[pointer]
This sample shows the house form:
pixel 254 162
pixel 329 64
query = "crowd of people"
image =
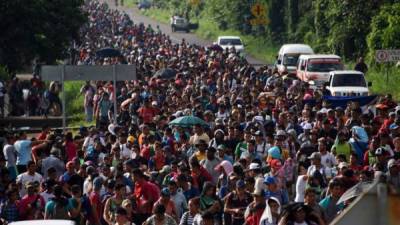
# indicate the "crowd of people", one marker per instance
pixel 263 156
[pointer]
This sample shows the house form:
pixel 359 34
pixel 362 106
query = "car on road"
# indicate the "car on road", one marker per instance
pixel 315 68
pixel 144 4
pixel 227 42
pixel 288 56
pixel 347 83
pixel 179 24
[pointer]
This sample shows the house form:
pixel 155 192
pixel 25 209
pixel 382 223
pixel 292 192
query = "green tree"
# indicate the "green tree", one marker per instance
pixel 349 23
pixel 385 29
pixel 40 28
pixel 277 20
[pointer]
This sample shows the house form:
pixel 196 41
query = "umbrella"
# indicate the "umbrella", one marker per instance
pixel 215 47
pixel 166 73
pixel 108 52
pixel 354 191
pixel 188 121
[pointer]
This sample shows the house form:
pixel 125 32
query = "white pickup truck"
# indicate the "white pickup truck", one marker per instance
pixel 347 83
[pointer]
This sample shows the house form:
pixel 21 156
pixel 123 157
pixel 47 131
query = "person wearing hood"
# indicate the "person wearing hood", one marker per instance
pixel 209 202
pixel 218 139
pixel 225 168
pixel 271 213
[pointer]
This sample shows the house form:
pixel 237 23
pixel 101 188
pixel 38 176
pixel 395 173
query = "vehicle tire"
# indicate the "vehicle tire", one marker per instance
pixel 187 30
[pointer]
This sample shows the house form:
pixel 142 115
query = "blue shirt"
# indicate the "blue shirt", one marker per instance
pixel 280 195
pixel 24 151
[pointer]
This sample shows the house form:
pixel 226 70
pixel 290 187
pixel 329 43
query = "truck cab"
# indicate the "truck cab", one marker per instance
pixel 179 24
pixel 347 83
pixel 315 68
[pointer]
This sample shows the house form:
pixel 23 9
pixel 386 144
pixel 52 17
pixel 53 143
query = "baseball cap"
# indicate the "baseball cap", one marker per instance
pixel 276 164
pixel 98 182
pixel 307 126
pixel 219 131
pixel 269 180
pixel 258 192
pixel 315 155
pixel 165 192
pixel 240 184
pixel 221 147
pixel 254 166
pixel 393 126
pixel 131 138
pixel 166 169
pixel 391 163
pixel 280 133
pixel 343 165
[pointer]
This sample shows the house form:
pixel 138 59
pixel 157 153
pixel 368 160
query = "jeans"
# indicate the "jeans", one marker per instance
pixel 89 113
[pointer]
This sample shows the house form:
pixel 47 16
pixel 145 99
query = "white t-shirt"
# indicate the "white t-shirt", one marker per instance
pixel 125 151
pixel 46 196
pixel 300 188
pixel 25 178
pixel 328 160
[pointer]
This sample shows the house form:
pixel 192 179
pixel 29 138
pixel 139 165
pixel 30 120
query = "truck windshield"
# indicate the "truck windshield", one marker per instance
pixel 230 42
pixel 321 65
pixel 347 80
pixel 290 60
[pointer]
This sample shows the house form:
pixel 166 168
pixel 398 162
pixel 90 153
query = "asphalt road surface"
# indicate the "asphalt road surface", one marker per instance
pixel 165 28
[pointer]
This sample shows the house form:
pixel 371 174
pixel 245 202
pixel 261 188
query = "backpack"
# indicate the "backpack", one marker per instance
pixel 60 212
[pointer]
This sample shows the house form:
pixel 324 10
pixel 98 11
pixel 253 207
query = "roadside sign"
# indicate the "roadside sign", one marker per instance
pixel 259 11
pixel 194 2
pixel 85 72
pixel 382 56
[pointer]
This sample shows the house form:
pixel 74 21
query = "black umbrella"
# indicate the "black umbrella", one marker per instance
pixel 166 73
pixel 108 52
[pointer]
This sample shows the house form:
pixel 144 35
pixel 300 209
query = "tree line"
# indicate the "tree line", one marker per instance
pixel 349 28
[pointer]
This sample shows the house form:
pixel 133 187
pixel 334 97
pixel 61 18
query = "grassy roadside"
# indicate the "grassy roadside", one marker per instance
pixel 74 104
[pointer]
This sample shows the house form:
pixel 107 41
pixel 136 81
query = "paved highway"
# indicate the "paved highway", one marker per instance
pixel 165 28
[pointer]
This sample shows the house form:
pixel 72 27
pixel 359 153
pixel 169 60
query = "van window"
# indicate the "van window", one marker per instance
pixel 343 80
pixel 324 65
pixel 290 59
pixel 230 41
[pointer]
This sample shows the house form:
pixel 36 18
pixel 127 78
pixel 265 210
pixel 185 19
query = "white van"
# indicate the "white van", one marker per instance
pixel 288 56
pixel 315 68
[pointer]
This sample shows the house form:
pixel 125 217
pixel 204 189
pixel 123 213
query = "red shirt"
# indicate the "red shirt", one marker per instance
pixel 147 114
pixel 145 152
pixel 95 200
pixel 146 191
pixel 23 205
pixel 254 218
pixel 42 136
pixel 202 176
pixel 70 149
